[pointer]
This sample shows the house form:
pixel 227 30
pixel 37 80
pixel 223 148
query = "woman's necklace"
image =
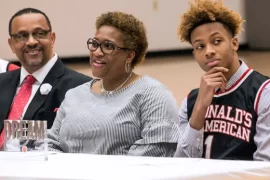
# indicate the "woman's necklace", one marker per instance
pixel 104 91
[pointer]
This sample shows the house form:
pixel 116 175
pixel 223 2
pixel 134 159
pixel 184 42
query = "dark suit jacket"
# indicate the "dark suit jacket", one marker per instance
pixel 41 107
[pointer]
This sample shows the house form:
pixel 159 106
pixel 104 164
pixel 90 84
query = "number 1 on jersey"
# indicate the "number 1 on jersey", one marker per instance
pixel 208 143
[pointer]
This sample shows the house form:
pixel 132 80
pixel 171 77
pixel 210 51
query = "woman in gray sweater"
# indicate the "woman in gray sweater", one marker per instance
pixel 121 112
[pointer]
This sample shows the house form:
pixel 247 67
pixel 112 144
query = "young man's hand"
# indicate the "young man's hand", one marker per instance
pixel 213 79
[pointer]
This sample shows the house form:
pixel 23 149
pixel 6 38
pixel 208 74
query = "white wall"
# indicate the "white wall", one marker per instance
pixel 73 21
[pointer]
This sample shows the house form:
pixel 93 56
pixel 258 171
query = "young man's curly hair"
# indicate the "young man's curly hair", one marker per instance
pixel 133 30
pixel 206 11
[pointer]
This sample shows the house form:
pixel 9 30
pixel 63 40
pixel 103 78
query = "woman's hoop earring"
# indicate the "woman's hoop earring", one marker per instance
pixel 127 66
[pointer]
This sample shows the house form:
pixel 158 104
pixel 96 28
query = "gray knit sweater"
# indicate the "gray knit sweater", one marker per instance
pixel 140 119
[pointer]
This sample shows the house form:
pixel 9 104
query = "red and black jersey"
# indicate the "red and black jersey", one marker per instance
pixel 230 121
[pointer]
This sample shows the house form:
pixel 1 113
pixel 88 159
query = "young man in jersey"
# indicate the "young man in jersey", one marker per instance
pixel 228 117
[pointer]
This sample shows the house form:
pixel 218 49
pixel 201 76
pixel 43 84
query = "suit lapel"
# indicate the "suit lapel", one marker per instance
pixel 52 78
pixel 7 93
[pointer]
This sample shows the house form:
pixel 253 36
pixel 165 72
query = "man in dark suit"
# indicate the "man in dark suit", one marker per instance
pixel 32 40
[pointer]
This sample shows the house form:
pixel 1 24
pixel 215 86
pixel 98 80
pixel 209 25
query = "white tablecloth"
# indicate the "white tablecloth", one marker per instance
pixel 30 166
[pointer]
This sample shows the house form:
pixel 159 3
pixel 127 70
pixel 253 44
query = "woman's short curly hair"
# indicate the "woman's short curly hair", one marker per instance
pixel 133 30
pixel 206 11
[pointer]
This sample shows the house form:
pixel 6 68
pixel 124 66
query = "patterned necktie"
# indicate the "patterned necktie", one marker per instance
pixel 20 100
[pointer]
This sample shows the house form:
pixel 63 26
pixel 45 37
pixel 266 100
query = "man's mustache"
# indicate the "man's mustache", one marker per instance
pixel 33 48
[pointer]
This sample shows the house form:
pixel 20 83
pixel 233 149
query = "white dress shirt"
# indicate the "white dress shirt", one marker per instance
pixel 3 65
pixel 39 75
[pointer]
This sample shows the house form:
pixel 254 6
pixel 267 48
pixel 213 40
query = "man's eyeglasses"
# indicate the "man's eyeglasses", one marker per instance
pixel 37 35
pixel 107 47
